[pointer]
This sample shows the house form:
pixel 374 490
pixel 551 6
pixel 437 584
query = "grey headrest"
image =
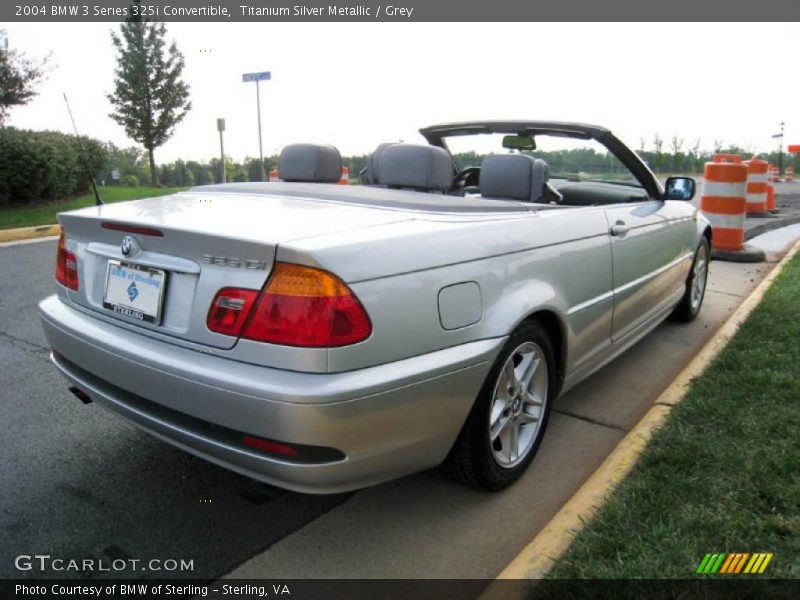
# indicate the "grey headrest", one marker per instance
pixel 418 167
pixel 370 176
pixel 310 162
pixel 513 176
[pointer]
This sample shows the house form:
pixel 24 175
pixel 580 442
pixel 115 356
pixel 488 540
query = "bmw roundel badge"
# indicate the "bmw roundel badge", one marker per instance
pixel 127 245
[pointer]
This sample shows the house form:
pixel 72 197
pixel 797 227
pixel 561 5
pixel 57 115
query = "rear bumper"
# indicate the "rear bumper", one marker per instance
pixel 388 420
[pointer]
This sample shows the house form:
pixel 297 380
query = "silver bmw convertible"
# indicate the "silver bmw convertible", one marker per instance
pixel 323 338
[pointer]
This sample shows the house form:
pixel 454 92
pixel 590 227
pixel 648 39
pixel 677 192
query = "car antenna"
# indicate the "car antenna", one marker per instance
pixel 98 199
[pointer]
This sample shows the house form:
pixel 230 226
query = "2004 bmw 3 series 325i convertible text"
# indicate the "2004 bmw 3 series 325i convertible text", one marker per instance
pixel 323 338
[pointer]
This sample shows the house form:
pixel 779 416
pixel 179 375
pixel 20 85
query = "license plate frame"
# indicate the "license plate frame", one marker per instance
pixel 123 295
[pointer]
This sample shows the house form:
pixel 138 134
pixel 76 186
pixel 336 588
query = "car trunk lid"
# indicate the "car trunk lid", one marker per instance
pixel 157 264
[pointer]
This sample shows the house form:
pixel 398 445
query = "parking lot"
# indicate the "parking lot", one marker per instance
pixel 79 482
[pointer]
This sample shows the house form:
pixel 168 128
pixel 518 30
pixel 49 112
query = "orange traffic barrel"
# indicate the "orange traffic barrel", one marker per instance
pixel 774 174
pixel 770 197
pixel 724 200
pixel 756 185
pixel 788 175
pixel 274 175
pixel 345 180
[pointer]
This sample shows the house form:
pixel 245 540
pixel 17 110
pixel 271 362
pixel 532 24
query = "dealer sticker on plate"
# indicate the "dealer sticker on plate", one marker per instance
pixel 135 291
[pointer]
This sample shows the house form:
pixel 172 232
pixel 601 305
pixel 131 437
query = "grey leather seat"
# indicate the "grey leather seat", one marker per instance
pixel 369 174
pixel 516 177
pixel 315 163
pixel 426 168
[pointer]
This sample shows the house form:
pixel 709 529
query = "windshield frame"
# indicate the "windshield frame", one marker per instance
pixel 436 134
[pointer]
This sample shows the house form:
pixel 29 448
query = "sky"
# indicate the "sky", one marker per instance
pixel 355 85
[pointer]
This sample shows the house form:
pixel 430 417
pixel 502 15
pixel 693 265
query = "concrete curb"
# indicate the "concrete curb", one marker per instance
pixel 541 554
pixel 770 225
pixel 27 233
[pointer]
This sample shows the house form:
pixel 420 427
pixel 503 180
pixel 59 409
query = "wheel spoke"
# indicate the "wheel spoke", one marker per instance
pixel 505 443
pixel 525 418
pixel 509 374
pixel 499 427
pixel 513 450
pixel 531 399
pixel 698 276
pixel 500 404
pixel 531 365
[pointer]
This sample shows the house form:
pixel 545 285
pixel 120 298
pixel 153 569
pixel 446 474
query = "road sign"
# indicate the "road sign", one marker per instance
pixel 794 148
pixel 263 76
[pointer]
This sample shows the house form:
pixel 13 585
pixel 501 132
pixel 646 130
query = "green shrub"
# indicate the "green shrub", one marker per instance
pixel 206 178
pixel 45 165
pixel 130 181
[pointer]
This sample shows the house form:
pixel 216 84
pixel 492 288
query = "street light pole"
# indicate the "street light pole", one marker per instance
pixel 780 153
pixel 257 77
pixel 221 128
pixel 260 150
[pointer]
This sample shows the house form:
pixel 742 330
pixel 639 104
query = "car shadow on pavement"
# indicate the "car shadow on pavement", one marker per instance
pixel 114 492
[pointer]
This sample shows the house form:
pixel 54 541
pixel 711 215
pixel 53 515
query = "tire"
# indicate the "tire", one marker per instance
pixel 691 303
pixel 505 405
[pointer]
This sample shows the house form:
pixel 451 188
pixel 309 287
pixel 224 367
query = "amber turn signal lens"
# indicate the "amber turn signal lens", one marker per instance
pixel 308 307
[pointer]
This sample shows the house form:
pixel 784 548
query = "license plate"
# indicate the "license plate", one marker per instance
pixel 135 291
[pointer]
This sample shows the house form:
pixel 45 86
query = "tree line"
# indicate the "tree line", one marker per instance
pixel 133 167
pixel 661 160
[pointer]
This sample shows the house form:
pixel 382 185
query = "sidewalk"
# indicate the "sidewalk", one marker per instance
pixel 787 202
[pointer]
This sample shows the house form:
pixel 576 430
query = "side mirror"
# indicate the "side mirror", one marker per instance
pixel 680 188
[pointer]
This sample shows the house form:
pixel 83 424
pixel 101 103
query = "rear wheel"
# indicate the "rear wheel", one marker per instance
pixel 689 306
pixel 507 422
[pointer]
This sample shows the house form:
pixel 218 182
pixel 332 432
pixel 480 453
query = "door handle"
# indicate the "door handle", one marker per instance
pixel 619 228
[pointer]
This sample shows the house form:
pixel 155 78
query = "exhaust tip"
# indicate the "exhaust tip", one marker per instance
pixel 80 395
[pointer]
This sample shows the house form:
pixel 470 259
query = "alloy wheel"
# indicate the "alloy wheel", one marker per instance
pixel 518 405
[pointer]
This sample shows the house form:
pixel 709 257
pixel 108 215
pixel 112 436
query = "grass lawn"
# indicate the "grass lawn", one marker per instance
pixel 45 214
pixel 723 474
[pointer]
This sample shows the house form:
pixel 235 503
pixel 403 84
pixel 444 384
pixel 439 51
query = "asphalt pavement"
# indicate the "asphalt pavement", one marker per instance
pixel 78 482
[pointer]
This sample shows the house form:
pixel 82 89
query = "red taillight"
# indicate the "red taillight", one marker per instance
pixel 300 306
pixel 269 446
pixel 304 306
pixel 229 310
pixel 66 265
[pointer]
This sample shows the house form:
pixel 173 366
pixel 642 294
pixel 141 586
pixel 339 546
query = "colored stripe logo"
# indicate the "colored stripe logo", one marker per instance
pixel 734 563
